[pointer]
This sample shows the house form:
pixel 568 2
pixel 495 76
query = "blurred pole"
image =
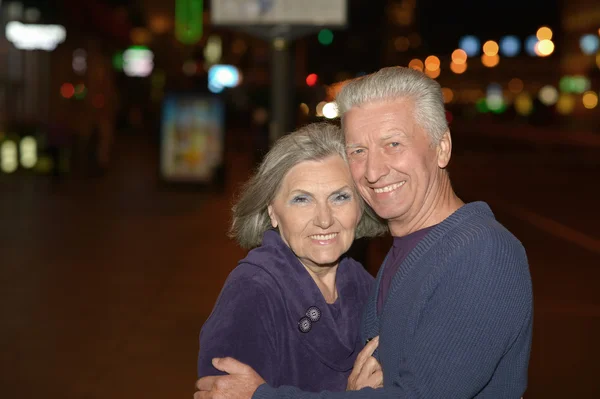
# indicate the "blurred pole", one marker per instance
pixel 281 89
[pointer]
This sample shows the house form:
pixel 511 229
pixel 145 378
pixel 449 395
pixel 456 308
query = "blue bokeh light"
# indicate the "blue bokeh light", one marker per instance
pixel 589 43
pixel 510 46
pixel 530 43
pixel 470 44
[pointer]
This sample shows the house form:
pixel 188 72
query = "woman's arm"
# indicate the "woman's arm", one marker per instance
pixel 242 326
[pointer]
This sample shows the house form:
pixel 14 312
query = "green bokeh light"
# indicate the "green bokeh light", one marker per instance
pixel 325 37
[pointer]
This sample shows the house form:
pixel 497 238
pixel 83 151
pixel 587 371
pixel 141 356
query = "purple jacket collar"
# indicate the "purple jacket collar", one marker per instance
pixel 333 339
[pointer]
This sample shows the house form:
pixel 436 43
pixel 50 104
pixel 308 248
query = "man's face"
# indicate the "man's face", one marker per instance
pixel 392 160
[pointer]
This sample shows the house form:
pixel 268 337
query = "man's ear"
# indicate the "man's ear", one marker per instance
pixel 444 150
pixel 272 216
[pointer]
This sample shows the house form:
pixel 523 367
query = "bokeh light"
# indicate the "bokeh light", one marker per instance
pixel 433 74
pixel 589 43
pixel 548 95
pixel 544 33
pixel 325 37
pixel 401 43
pixel 67 90
pixel 330 110
pixel 458 68
pixel 490 61
pixel 565 104
pixel 304 108
pixel 523 104
pixel 544 48
pixel 530 43
pixel 320 107
pixel 490 48
pixel 515 85
pixel 28 152
pixel 470 44
pixel 311 79
pixel 448 95
pixel 590 99
pixel 432 63
pixel 8 156
pixel 510 46
pixel 416 64
pixel 459 56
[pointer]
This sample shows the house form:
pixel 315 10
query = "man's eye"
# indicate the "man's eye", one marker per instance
pixel 358 151
pixel 394 144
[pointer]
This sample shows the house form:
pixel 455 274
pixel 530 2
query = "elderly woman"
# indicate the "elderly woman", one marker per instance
pixel 291 308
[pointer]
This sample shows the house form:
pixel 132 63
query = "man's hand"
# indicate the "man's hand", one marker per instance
pixel 241 382
pixel 367 371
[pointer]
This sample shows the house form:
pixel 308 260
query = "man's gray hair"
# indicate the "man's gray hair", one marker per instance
pixel 313 142
pixel 394 83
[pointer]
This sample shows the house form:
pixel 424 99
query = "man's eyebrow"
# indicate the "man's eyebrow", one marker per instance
pixel 392 133
pixel 352 145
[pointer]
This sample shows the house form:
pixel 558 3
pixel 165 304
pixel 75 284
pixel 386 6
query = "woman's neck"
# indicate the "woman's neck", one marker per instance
pixel 324 277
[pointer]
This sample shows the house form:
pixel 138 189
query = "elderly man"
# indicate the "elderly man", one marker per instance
pixel 452 304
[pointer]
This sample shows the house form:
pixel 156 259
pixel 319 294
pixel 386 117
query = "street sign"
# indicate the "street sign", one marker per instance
pixel 276 12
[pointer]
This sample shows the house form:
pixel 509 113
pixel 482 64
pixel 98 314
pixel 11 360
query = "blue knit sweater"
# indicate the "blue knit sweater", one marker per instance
pixel 457 321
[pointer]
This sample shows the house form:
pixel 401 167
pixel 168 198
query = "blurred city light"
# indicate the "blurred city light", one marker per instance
pixel 565 104
pixel 138 61
pixel 28 152
pixel 448 95
pixel 548 95
pixel 31 14
pixel 590 99
pixel 589 43
pixel 13 10
pixel 80 91
pixel 544 48
pixel 417 64
pixel 221 76
pixel 8 156
pixel 530 43
pixel 311 79
pixel 544 33
pixel 330 110
pixel 35 37
pixel 470 44
pixel 510 46
pixel 490 61
pixel 304 109
pixel 189 19
pixel 79 61
pixel 159 24
pixel 401 43
pixel 67 90
pixel 494 98
pixel 320 106
pixel 433 74
pixel 459 56
pixel 490 48
pixel 515 85
pixel 432 63
pixel 458 68
pixel 140 36
pixel 574 84
pixel 213 50
pixel 325 37
pixel 523 104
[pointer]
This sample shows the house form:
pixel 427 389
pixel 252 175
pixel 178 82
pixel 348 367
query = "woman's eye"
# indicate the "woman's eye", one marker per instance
pixel 342 197
pixel 299 200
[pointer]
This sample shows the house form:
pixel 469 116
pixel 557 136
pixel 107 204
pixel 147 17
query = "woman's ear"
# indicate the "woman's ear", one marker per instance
pixel 272 216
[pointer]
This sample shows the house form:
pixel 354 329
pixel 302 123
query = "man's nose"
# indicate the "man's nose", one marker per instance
pixel 376 168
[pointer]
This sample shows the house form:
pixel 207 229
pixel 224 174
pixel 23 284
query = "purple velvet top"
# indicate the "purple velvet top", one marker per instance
pixel 271 315
pixel 399 251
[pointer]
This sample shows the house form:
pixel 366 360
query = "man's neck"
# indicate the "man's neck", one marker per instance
pixel 441 205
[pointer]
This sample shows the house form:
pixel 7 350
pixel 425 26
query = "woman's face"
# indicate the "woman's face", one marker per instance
pixel 316 211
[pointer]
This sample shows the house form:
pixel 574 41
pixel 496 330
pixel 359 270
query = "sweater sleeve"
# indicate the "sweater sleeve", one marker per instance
pixel 474 314
pixel 241 326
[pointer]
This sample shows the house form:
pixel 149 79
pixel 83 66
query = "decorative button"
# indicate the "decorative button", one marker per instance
pixel 304 324
pixel 313 313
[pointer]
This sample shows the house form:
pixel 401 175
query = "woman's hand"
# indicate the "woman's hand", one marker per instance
pixel 367 371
